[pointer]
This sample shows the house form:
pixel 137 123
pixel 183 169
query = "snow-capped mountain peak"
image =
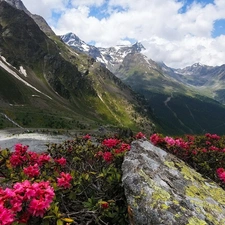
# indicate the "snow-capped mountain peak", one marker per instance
pixel 74 41
pixel 110 57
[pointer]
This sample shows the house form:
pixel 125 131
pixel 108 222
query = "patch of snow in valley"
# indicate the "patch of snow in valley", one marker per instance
pixel 6 67
pixel 23 71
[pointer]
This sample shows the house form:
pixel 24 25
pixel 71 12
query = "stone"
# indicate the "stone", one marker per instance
pixel 162 190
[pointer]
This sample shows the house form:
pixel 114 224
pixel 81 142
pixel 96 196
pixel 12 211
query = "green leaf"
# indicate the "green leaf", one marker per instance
pixel 5 153
pixel 59 222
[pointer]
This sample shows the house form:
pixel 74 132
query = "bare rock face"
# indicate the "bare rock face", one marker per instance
pixel 18 4
pixel 163 190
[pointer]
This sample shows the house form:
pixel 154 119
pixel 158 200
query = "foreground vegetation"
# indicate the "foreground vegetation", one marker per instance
pixel 79 181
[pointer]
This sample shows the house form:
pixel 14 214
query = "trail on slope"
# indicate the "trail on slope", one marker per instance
pixel 175 115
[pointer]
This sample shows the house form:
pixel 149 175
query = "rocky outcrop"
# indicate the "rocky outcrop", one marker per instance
pixel 163 190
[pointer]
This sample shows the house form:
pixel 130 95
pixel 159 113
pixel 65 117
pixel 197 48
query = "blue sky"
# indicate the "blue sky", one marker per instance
pixel 177 32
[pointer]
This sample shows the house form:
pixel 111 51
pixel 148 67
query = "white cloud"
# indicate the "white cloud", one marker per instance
pixel 45 7
pixel 76 3
pixel 177 39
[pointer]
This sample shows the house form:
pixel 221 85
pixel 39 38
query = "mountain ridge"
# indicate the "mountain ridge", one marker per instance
pixel 180 106
pixel 72 81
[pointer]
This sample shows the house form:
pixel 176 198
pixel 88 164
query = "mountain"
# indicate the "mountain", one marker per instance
pixel 209 80
pixel 44 83
pixel 173 95
pixel 109 57
pixel 18 4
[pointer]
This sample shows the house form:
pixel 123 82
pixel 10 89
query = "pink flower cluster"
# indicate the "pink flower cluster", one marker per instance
pixel 65 180
pixel 139 135
pixel 32 171
pixel 36 197
pixel 111 142
pixel 199 146
pixel 178 142
pixel 61 161
pixel 22 156
pixel 156 139
pixel 87 137
pixel 221 174
pixel 212 136
pixel 115 147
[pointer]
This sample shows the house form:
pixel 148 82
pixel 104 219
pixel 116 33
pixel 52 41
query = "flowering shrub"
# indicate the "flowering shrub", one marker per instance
pixel 79 181
pixel 76 182
pixel 205 153
pixel 23 200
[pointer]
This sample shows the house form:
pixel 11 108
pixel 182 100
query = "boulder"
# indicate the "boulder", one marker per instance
pixel 162 189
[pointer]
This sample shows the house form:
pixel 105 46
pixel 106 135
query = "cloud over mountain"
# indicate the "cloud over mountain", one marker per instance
pixel 172 31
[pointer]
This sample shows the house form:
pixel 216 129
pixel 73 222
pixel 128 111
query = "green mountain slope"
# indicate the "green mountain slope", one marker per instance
pixel 179 108
pixel 63 88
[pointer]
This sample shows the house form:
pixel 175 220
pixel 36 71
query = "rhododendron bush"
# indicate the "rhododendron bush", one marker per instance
pixel 79 181
pixel 204 153
pixel 76 182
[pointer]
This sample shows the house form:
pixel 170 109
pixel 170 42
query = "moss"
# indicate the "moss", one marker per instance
pixel 170 164
pixel 189 174
pixel 159 196
pixel 196 221
pixel 202 194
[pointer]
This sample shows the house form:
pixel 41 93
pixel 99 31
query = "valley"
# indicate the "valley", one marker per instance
pixel 188 100
pixel 60 82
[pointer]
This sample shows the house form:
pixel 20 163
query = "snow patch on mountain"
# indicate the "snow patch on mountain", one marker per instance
pixel 110 57
pixel 6 66
pixel 23 71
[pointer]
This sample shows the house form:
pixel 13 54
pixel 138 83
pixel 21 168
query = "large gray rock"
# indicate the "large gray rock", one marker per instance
pixel 161 189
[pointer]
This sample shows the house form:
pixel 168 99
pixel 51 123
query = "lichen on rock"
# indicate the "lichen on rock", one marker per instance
pixel 162 190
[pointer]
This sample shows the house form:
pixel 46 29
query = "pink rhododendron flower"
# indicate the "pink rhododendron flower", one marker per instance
pixel 43 158
pixel 107 156
pixel 111 142
pixel 38 207
pixel 123 148
pixel 140 135
pixel 181 143
pixel 170 141
pixel 32 171
pixel 6 216
pixel 17 159
pixel 33 157
pixel 215 137
pixel 212 136
pixel 19 148
pixel 156 139
pixel 221 174
pixel 61 161
pixel 87 137
pixel 213 148
pixel 64 180
pixel 37 197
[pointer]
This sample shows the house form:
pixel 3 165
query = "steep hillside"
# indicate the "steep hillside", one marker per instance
pixel 179 108
pixel 54 86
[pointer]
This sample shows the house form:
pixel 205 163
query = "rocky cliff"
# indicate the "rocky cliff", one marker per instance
pixel 163 190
